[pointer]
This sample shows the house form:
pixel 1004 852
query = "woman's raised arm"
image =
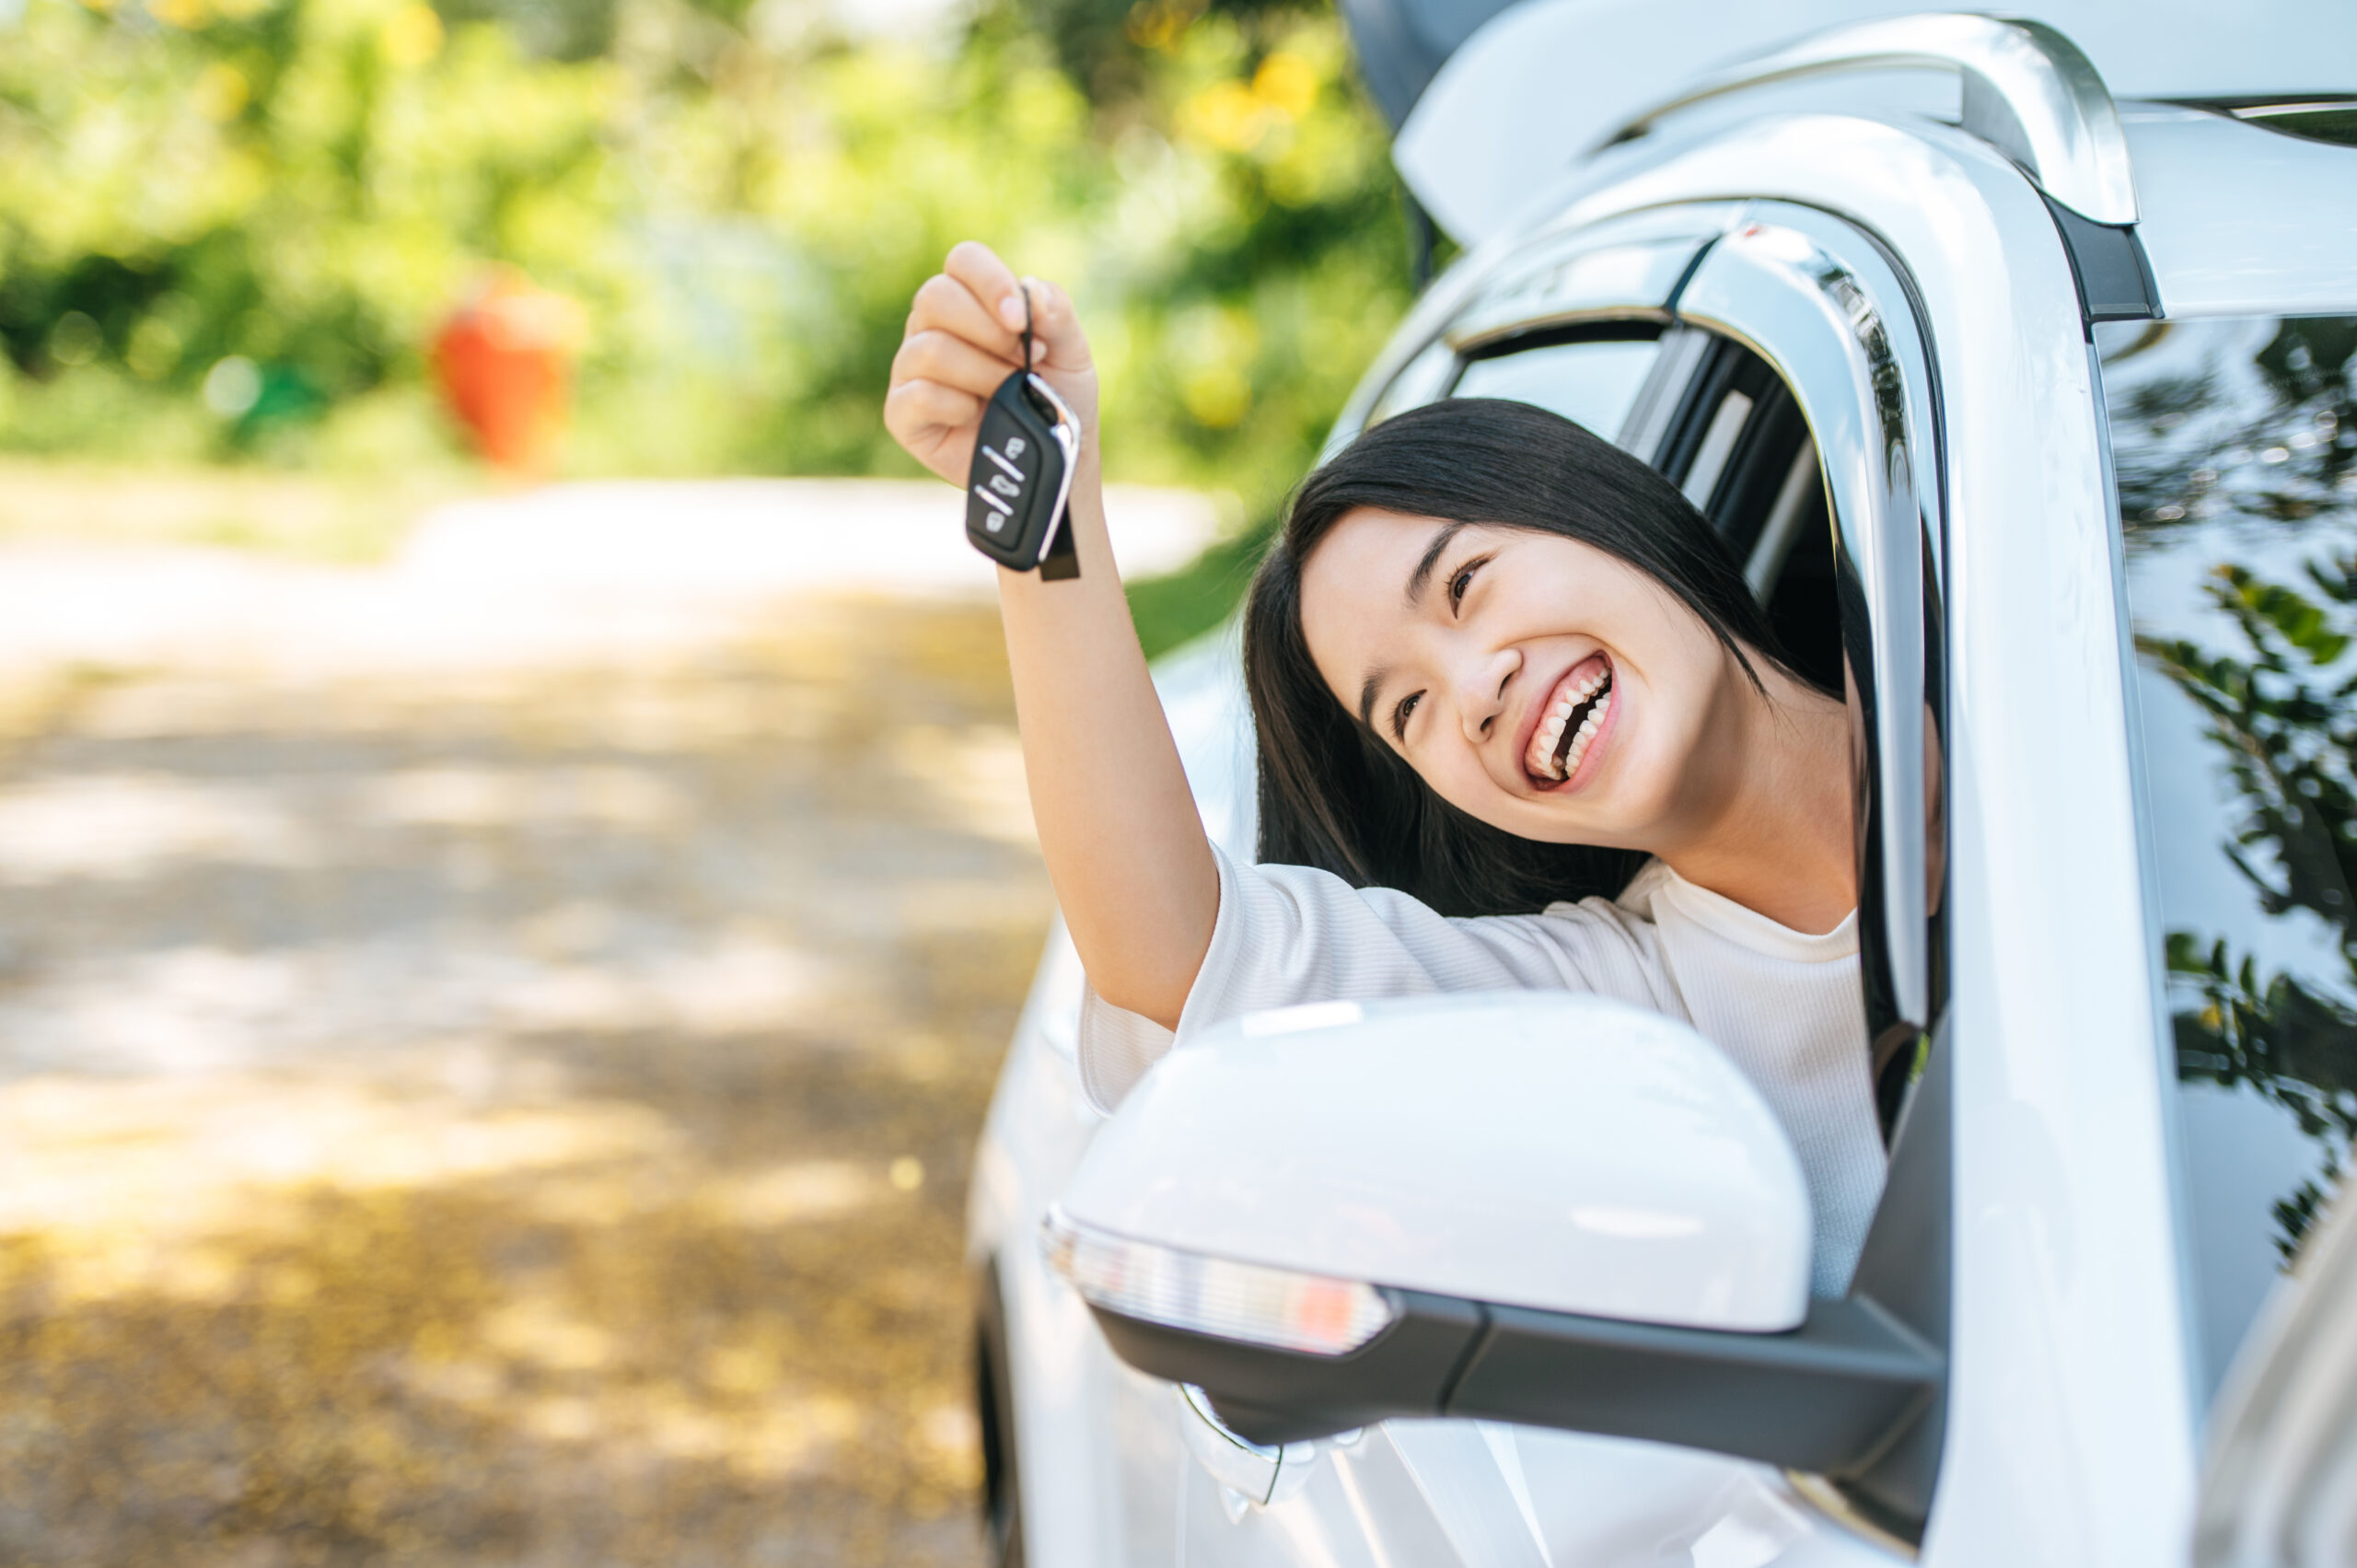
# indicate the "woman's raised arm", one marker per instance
pixel 1125 847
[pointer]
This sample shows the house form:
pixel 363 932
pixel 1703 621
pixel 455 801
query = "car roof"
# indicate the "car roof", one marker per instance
pixel 1540 84
pixel 1401 43
pixel 2238 219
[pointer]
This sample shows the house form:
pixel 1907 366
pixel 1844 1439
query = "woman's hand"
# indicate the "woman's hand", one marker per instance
pixel 965 334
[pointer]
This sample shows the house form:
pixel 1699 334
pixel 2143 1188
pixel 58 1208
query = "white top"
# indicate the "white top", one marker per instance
pixel 1785 1006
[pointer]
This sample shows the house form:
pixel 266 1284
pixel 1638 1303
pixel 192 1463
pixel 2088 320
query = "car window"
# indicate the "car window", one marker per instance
pixel 1591 381
pixel 2235 448
pixel 1739 448
pixel 1420 381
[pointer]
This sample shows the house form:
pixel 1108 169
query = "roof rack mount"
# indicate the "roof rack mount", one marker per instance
pixel 2028 91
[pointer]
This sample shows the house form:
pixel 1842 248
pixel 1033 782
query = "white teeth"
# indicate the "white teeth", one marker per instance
pixel 1549 734
pixel 1588 727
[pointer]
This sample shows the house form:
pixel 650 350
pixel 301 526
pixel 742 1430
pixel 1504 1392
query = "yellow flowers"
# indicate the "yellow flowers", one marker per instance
pixel 189 15
pixel 1238 116
pixel 1217 396
pixel 410 36
pixel 1213 348
pixel 221 91
pixel 1160 24
pixel 1286 83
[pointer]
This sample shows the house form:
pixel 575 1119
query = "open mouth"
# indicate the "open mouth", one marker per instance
pixel 1562 738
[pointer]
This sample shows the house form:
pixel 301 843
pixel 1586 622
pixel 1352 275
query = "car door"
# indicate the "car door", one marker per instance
pixel 1725 399
pixel 1574 323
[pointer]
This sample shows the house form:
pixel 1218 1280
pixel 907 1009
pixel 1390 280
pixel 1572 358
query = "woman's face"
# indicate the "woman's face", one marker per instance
pixel 1535 683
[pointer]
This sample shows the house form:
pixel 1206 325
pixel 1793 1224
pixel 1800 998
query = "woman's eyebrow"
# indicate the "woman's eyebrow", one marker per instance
pixel 1423 574
pixel 1417 582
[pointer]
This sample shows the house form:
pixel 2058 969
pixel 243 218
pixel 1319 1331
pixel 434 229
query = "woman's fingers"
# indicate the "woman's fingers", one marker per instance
pixel 945 357
pixel 963 341
pixel 915 406
pixel 944 305
pixel 991 281
pixel 936 424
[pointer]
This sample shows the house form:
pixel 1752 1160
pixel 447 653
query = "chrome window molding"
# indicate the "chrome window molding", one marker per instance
pixel 1567 285
pixel 2028 91
pixel 1903 320
pixel 1464 291
pixel 1839 329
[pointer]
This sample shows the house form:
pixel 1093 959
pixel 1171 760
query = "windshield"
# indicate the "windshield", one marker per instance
pixel 2235 446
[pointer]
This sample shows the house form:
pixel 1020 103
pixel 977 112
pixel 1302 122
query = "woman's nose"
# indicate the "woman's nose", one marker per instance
pixel 1481 692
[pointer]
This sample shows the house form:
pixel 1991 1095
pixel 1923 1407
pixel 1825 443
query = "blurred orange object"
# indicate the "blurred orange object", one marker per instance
pixel 505 362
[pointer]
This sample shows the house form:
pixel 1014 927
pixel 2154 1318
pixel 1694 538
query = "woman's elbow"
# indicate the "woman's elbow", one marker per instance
pixel 1142 969
pixel 1156 1003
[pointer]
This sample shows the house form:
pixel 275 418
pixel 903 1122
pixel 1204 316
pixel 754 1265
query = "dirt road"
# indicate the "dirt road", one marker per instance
pixel 502 1110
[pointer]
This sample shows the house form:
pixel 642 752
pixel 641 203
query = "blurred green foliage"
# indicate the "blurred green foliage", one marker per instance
pixel 229 228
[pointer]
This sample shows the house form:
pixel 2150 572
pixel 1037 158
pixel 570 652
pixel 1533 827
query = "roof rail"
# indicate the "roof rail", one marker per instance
pixel 2027 91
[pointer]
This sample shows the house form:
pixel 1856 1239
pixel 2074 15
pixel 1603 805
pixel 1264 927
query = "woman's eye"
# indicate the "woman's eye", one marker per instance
pixel 1399 714
pixel 1464 580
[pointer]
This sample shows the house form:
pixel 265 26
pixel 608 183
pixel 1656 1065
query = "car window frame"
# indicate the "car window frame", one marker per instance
pixel 1832 315
pixel 1835 315
pixel 1831 312
pixel 1467 300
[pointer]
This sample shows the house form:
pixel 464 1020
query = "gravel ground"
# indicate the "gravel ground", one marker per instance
pixel 505 1110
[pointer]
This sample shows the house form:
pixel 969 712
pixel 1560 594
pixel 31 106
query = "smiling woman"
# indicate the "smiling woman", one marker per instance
pixel 1521 725
pixel 1470 578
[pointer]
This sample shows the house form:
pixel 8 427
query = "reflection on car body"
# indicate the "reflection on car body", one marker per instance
pixel 2236 458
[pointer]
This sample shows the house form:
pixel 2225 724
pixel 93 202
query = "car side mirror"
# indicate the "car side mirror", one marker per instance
pixel 1526 1206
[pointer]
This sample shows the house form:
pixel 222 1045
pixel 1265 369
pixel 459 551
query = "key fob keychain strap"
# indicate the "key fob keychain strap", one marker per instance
pixel 1020 485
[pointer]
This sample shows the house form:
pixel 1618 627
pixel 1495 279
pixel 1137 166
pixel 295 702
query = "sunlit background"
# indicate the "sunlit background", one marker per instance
pixel 514 869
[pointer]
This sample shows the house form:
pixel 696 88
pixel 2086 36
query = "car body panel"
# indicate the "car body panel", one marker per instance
pixel 1543 83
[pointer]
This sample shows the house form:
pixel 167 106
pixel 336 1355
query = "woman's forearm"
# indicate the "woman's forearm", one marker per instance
pixel 1117 826
pixel 1127 853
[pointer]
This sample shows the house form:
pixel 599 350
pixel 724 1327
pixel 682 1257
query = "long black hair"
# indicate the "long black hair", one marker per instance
pixel 1332 794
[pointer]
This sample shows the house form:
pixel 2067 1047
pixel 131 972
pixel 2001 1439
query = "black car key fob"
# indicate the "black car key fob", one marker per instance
pixel 1021 481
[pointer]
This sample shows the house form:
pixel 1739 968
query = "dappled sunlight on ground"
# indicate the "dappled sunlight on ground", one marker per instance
pixel 509 1114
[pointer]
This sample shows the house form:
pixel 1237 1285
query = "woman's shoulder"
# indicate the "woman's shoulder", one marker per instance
pixel 1634 902
pixel 1662 898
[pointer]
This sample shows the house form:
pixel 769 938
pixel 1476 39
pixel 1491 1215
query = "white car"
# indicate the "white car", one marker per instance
pixel 2026 401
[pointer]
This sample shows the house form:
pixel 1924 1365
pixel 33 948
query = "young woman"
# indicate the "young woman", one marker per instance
pixel 1521 724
